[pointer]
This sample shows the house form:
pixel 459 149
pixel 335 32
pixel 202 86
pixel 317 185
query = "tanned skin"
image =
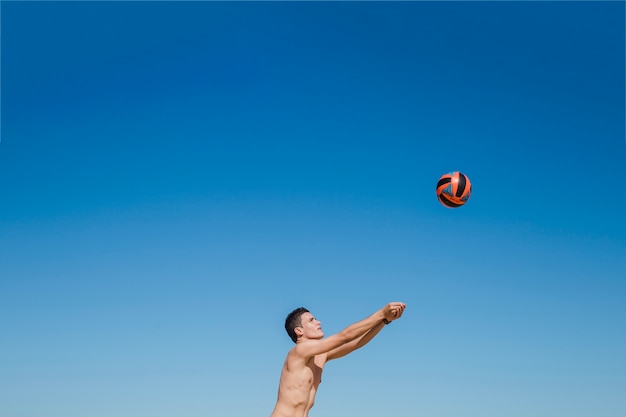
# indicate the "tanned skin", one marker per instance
pixel 302 371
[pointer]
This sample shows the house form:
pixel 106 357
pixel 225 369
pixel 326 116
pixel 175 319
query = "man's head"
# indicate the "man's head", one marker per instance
pixel 300 322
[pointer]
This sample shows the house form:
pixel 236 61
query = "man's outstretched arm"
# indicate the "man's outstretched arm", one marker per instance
pixel 349 347
pixel 359 342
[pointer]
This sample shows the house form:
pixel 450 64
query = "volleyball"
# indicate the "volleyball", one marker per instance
pixel 454 189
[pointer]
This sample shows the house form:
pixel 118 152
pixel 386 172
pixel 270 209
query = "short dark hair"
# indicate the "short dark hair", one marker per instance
pixel 293 320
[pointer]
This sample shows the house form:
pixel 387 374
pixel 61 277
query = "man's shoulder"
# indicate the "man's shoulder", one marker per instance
pixel 302 346
pixel 297 355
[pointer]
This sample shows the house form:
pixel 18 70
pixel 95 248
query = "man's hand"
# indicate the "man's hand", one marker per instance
pixel 393 311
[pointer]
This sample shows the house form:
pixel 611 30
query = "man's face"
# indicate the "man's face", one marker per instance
pixel 311 327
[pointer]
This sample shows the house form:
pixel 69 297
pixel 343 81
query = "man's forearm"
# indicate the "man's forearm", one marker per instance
pixel 360 328
pixel 369 335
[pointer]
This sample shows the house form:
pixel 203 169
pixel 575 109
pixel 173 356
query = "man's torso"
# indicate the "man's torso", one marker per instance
pixel 299 382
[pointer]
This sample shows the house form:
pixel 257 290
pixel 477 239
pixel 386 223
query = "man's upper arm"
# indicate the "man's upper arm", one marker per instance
pixel 317 347
pixel 342 350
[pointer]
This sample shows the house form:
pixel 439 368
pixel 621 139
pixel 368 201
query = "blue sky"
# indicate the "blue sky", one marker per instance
pixel 178 176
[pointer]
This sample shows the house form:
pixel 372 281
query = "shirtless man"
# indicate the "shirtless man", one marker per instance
pixel 302 370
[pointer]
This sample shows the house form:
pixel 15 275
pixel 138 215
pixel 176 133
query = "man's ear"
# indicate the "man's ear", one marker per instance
pixel 299 331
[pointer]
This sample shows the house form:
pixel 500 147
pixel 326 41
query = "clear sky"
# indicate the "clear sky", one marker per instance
pixel 177 177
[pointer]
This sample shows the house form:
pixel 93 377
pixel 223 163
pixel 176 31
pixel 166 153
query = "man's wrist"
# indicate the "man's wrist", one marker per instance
pixel 386 321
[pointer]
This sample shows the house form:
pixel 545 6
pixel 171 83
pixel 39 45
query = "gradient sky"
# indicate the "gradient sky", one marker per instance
pixel 177 177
